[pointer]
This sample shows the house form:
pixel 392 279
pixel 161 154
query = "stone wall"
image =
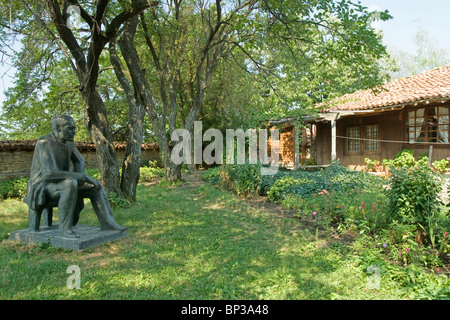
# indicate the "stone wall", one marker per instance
pixel 16 156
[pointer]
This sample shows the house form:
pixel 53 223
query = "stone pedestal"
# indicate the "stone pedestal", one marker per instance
pixel 90 236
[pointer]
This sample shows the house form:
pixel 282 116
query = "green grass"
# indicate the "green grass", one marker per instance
pixel 187 242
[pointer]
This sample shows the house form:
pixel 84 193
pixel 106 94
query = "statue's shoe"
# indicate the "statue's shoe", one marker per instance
pixel 70 234
pixel 112 226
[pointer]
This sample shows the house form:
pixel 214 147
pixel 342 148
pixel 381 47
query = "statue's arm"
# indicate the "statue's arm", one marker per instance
pixel 77 160
pixel 78 166
pixel 49 168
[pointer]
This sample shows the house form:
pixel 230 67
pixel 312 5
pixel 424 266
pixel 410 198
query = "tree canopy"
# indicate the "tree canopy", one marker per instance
pixel 228 63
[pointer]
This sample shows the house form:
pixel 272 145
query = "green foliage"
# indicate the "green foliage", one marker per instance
pixel 93 172
pixel 441 165
pixel 212 175
pixel 244 179
pixel 333 179
pixel 13 188
pixel 276 191
pixel 256 66
pixel 413 196
pixel 150 173
pixel 405 159
pixel 146 173
pixel 372 165
pixel 117 202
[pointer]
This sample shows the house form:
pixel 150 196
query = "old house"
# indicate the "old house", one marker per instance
pixel 295 142
pixel 408 113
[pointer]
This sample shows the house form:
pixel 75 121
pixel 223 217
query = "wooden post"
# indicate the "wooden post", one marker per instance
pixel 296 148
pixel 430 154
pixel 333 140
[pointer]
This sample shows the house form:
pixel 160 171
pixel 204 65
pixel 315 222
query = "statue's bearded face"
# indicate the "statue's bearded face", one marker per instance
pixel 67 131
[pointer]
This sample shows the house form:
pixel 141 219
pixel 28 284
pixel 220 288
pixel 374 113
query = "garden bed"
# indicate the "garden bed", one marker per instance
pixel 337 202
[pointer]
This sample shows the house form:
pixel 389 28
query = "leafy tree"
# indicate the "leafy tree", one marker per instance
pixel 193 59
pixel 291 48
pixel 82 47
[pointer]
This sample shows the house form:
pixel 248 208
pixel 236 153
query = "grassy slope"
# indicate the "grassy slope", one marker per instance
pixel 186 242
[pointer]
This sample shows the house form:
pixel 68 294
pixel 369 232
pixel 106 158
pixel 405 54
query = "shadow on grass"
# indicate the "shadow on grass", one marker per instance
pixel 209 245
pixel 183 243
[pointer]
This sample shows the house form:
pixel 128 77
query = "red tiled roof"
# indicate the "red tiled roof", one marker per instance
pixel 14 145
pixel 429 85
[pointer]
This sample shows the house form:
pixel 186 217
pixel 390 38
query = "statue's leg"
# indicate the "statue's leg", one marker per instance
pixel 101 206
pixel 34 219
pixel 47 216
pixel 66 192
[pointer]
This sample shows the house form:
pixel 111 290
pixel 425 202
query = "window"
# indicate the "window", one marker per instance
pixel 364 138
pixel 428 125
pixel 353 143
pixel 371 132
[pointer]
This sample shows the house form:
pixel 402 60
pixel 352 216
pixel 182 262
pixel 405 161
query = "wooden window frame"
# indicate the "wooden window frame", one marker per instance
pixel 353 140
pixel 360 141
pixel 374 138
pixel 424 134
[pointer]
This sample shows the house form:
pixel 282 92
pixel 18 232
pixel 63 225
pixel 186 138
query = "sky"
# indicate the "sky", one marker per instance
pixel 408 15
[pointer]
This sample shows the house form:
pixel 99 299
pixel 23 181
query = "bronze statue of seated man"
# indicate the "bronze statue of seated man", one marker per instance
pixel 57 179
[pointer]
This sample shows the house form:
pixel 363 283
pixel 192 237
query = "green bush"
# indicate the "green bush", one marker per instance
pixel 150 173
pixel 244 179
pixel 413 196
pixel 276 191
pixel 93 172
pixel 13 188
pixel 146 173
pixel 212 174
pixel 333 179
pixel 117 202
pixel 441 165
pixel 405 159
pixel 372 165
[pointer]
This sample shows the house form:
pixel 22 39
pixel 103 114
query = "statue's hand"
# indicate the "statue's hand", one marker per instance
pixel 97 184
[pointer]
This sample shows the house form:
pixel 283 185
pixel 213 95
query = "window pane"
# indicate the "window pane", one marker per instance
pixel 428 125
pixel 443 134
pixel 443 111
pixel 371 132
pixel 353 143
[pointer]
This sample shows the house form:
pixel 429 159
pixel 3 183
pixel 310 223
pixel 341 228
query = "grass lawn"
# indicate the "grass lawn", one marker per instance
pixel 189 241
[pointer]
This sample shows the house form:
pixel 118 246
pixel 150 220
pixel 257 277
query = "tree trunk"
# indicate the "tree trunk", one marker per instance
pixel 132 160
pixel 87 71
pixel 97 123
pixel 173 171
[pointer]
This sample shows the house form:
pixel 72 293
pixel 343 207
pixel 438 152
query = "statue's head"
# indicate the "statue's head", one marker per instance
pixel 64 127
